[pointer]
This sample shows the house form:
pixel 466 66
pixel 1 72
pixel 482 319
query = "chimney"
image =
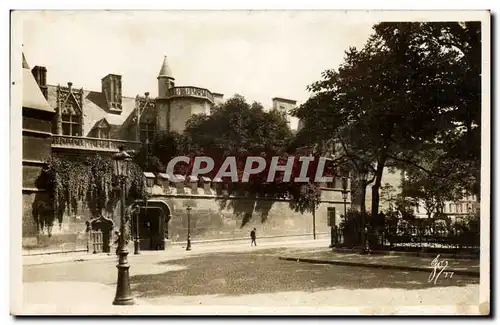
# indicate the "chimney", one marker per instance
pixel 40 74
pixel 112 89
pixel 70 85
pixel 146 94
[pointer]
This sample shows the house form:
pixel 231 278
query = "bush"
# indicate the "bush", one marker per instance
pixel 351 228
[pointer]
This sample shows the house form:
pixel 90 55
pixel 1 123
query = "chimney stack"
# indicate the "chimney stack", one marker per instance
pixel 112 90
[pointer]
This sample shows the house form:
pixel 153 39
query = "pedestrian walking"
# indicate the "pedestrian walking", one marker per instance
pixel 253 236
pixel 117 241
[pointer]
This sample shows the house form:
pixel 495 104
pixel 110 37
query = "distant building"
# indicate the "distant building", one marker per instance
pixel 453 209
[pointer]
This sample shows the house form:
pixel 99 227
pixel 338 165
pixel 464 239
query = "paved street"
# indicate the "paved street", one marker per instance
pixel 241 275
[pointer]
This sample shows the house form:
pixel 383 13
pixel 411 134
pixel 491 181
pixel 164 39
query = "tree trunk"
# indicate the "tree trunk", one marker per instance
pixel 375 189
pixel 362 202
pixel 374 238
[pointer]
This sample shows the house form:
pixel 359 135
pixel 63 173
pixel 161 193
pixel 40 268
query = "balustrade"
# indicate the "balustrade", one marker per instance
pixel 190 92
pixel 85 143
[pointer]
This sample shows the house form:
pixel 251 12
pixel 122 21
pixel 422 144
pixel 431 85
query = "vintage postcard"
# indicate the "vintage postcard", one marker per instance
pixel 250 162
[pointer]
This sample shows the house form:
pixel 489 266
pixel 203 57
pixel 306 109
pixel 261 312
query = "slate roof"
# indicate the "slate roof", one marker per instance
pixel 95 109
pixel 32 95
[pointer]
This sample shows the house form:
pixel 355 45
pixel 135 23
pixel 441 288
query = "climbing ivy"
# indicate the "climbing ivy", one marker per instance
pixel 90 181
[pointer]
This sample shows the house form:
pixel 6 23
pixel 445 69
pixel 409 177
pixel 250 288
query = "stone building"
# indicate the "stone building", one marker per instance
pixel 37 139
pixel 67 120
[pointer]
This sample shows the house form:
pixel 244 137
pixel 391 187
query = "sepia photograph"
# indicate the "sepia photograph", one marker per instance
pixel 250 162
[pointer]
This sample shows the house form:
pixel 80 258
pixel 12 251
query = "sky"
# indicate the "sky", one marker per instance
pixel 259 55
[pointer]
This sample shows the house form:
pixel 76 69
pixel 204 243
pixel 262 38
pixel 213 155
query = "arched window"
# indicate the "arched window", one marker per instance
pixel 147 131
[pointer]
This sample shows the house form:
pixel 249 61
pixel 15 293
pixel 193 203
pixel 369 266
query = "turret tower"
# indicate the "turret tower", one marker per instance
pixel 166 81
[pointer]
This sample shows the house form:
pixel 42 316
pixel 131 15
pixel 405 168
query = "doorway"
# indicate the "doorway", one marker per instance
pixel 150 226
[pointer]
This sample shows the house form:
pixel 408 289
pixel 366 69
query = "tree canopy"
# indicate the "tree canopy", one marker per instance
pixel 407 91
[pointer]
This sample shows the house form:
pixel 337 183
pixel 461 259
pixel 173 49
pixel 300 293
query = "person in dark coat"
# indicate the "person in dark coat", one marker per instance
pixel 117 241
pixel 253 236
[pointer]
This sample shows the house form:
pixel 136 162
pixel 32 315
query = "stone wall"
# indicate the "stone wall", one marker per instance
pixel 212 217
pixel 215 215
pixel 36 151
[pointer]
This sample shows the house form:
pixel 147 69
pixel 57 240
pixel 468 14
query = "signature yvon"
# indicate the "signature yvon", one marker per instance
pixel 438 267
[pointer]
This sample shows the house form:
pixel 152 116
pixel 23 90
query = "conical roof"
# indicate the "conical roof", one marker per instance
pixel 165 69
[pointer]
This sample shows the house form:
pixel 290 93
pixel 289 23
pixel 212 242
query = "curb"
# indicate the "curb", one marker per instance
pixel 416 254
pixel 379 266
pixel 70 260
pixel 292 238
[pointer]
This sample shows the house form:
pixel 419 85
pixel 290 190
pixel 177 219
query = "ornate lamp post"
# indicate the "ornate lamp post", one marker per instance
pixel 345 194
pixel 137 240
pixel 123 293
pixel 188 246
pixel 363 175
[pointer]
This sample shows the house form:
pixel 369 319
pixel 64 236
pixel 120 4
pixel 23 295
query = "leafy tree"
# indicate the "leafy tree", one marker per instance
pixel 237 128
pixel 433 191
pixel 390 100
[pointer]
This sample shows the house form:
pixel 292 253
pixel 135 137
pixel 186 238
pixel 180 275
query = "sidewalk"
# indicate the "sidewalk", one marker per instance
pixel 178 250
pixel 71 298
pixel 400 262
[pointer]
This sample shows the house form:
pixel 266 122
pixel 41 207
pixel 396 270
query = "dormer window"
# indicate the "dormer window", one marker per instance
pixel 101 130
pixel 103 133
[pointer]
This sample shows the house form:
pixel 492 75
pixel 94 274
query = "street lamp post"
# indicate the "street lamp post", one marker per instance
pixel 314 221
pixel 137 240
pixel 363 175
pixel 188 246
pixel 345 194
pixel 123 293
pixel 333 235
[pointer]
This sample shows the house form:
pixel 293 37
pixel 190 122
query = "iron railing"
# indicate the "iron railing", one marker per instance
pixel 411 236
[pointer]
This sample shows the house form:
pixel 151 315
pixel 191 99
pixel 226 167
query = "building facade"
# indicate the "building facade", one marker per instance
pixel 72 121
pixel 467 205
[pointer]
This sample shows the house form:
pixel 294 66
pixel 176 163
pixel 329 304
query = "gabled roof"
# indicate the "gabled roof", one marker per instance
pixel 71 109
pixel 102 123
pixel 95 109
pixel 165 69
pixel 32 95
